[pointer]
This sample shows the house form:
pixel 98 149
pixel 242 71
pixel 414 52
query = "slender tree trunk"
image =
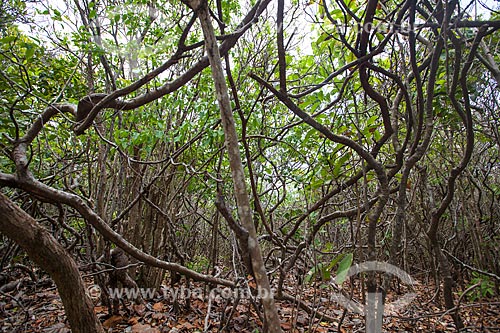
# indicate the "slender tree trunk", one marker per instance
pixel 445 272
pixel 46 252
pixel 238 175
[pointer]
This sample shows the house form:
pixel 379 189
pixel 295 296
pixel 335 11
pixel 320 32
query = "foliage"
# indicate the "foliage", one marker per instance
pixel 484 290
pixel 378 144
pixel 323 270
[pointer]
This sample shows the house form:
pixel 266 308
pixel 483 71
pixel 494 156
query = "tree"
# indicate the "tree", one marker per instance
pixel 374 143
pixel 46 251
pixel 241 194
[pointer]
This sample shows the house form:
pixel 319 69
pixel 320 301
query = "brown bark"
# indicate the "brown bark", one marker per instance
pixel 459 78
pixel 231 139
pixel 417 150
pixel 46 252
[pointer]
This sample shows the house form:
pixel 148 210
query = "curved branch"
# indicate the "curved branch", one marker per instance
pixel 372 162
pixel 90 110
pixel 41 190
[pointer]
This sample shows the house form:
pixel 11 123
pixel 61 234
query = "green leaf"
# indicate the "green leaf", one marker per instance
pixel 340 163
pixel 344 266
pixel 8 39
pixel 309 134
pixel 92 14
pixel 371 120
pixel 158 134
pixel 57 15
pixel 335 261
pixel 312 273
pixel 322 38
pixel 30 51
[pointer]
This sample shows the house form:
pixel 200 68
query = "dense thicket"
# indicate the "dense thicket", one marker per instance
pixel 364 128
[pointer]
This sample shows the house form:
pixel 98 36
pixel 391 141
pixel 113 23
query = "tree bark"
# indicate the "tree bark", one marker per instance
pixel 272 322
pixel 46 252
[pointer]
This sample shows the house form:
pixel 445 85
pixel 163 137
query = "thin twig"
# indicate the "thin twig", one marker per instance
pixel 496 277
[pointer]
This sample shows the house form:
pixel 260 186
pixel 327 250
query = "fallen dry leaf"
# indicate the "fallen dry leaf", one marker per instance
pixel 286 326
pixel 139 309
pixel 112 321
pixel 133 321
pixel 158 306
pixel 142 328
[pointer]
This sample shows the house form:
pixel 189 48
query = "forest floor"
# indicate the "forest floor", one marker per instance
pixel 38 308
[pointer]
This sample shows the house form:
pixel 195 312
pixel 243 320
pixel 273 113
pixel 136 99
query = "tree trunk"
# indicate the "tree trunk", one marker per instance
pixel 46 252
pixel 272 322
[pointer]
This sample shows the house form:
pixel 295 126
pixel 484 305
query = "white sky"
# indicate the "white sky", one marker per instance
pixel 302 23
